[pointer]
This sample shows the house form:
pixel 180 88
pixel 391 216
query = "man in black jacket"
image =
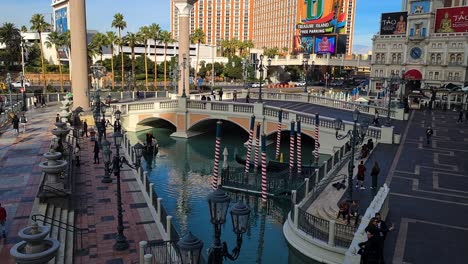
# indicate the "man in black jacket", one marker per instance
pixel 370 249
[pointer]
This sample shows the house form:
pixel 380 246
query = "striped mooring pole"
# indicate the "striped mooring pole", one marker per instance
pixel 216 161
pixel 264 171
pixel 291 147
pixel 249 145
pixel 257 147
pixel 278 135
pixel 299 150
pixel 316 147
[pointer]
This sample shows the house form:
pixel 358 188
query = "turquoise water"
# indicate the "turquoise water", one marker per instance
pixel 181 174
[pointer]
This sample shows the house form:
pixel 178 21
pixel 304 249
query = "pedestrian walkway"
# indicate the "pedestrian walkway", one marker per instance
pixel 429 192
pixel 96 211
pixel 20 174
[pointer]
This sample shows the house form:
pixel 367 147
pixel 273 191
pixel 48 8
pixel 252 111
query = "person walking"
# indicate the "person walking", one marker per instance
pixel 460 116
pixel 376 118
pixel 77 151
pixel 360 175
pixel 234 95
pixel 23 121
pixel 43 101
pixel 15 122
pixel 247 98
pixel 429 133
pixel 85 128
pixel 3 216
pixel 96 152
pixel 220 94
pixel 104 125
pixel 57 118
pixel 35 101
pixel 370 249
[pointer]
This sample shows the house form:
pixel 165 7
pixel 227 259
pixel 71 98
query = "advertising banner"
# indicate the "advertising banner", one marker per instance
pixel 325 44
pixel 393 23
pixel 61 20
pixel 322 16
pixel 450 20
pixel 420 7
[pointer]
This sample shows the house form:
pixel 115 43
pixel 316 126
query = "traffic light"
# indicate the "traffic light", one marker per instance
pixel 22 89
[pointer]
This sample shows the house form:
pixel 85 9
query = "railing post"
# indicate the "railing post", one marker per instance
pixel 142 250
pixel 293 196
pixel 296 216
pixel 148 259
pixel 306 187
pixel 158 207
pixel 316 176
pixel 145 179
pixel 168 227
pixel 151 192
pixel 325 163
pixel 331 232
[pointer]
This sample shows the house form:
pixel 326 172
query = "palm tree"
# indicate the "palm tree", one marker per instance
pixel 154 33
pixel 39 25
pixel 144 35
pixel 132 39
pixel 10 36
pixel 166 38
pixel 24 29
pixel 245 47
pixel 119 23
pixel 111 41
pixel 198 37
pixel 56 40
pixel 99 41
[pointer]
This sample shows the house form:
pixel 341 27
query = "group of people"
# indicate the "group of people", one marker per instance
pixel 17 121
pixel 372 250
pixel 367 148
pixel 212 96
pixel 39 100
pixel 348 209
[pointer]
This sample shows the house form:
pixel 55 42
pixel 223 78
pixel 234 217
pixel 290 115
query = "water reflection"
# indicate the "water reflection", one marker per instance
pixel 181 176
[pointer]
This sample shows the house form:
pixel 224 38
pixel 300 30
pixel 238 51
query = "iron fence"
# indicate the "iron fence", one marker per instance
pixel 314 226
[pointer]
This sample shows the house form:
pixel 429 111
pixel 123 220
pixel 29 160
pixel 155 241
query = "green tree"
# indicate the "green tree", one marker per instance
pixel 56 40
pixel 154 34
pixel 39 25
pixel 144 35
pixel 112 41
pixel 271 52
pixel 99 41
pixel 244 48
pixel 132 39
pixel 198 37
pixel 10 37
pixel 233 68
pixel 119 23
pixel 167 39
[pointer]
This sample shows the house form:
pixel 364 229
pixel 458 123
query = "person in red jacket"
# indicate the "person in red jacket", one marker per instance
pixel 360 175
pixel 3 216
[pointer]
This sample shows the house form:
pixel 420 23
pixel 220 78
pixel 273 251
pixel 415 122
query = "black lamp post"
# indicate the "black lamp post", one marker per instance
pixel 356 135
pixel 394 80
pixel 261 69
pixel 184 66
pixel 305 62
pixel 117 125
pixel 107 152
pixel 218 202
pixel 190 248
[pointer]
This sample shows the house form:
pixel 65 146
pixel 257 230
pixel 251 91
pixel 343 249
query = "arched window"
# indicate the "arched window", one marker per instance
pixel 377 58
pixel 452 58
pixel 394 58
pixel 459 59
pixel 433 58
pixel 399 59
pixel 439 58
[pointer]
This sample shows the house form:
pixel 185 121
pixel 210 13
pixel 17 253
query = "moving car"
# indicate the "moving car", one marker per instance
pixel 18 84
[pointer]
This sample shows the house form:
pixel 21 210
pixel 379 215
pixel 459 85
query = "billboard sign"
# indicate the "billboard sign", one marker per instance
pixel 321 16
pixel 450 20
pixel 325 44
pixel 420 7
pixel 393 23
pixel 61 20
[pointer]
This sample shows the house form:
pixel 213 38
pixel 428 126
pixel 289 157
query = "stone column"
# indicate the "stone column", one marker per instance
pixel 79 58
pixel 184 7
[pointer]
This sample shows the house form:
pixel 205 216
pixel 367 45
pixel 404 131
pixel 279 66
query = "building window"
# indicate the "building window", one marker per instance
pixel 457 76
pixel 433 58
pixel 450 76
pixel 436 76
pixel 399 58
pixel 452 58
pixel 431 75
pixel 459 59
pixel 394 58
pixel 439 58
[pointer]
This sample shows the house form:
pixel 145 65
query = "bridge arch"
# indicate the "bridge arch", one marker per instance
pixel 157 122
pixel 209 124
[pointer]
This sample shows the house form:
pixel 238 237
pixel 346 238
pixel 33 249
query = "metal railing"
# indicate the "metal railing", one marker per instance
pixel 164 252
pixel 62 225
pixel 313 226
pixel 344 235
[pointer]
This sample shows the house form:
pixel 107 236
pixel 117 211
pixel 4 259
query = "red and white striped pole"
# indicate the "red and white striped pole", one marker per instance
pixel 299 150
pixel 291 148
pixel 264 171
pixel 257 147
pixel 216 161
pixel 249 145
pixel 317 124
pixel 278 135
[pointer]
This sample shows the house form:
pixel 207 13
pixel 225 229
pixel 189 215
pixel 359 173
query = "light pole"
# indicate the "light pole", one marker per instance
pixel 190 248
pixel 394 80
pixel 327 75
pixel 261 69
pixel 313 70
pixel 184 65
pixel 218 202
pixel 356 136
pixel 305 62
pixel 244 63
pixel 23 88
pixel 121 242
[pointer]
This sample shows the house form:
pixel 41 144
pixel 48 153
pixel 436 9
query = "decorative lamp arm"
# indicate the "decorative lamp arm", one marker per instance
pixel 235 252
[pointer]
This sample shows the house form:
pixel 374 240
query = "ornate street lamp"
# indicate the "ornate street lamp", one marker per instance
pixel 190 248
pixel 394 80
pixel 106 154
pixel 305 62
pixel 356 135
pixel 184 66
pixel 261 69
pixel 218 202
pixel 138 148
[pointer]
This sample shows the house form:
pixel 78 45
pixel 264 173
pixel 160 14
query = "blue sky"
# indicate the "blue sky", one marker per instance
pixel 144 12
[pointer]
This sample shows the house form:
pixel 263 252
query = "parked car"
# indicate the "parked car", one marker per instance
pixel 18 84
pixel 300 84
pixel 257 85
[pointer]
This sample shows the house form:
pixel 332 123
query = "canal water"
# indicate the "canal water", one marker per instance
pixel 181 176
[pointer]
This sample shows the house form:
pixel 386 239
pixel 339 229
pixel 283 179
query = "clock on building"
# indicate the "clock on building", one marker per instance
pixel 416 53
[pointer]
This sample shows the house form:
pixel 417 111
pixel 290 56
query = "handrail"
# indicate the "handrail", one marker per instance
pixel 68 227
pixel 53 190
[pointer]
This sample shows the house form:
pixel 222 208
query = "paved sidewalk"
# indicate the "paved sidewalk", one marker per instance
pixel 96 211
pixel 429 192
pixel 20 174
